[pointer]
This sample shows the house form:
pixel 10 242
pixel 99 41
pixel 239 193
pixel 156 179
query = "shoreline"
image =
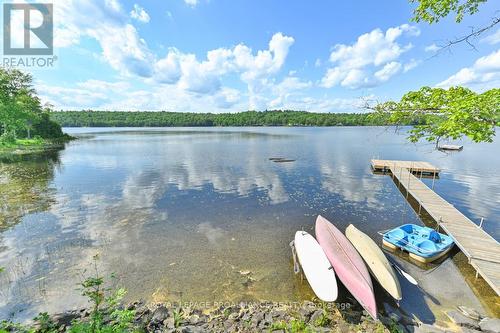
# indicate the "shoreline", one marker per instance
pixel 33 146
pixel 262 316
pixel 305 316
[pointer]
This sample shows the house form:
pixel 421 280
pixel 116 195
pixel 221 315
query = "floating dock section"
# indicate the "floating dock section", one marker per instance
pixel 482 250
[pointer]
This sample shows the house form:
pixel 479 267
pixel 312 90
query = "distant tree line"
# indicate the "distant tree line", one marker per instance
pixel 248 118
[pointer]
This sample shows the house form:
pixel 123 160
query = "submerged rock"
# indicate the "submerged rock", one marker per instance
pixel 65 319
pixel 468 312
pixel 426 328
pixel 490 325
pixel 280 160
pixel 461 320
pixel 160 314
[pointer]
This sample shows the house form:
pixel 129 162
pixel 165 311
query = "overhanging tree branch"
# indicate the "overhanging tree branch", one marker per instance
pixel 475 33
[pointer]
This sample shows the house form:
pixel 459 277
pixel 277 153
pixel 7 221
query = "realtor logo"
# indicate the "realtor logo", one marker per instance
pixel 28 29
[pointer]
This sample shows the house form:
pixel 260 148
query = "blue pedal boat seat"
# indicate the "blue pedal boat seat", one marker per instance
pixel 422 243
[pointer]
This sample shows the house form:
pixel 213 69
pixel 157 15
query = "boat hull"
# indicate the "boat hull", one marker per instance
pixel 378 265
pixel 424 260
pixel 316 267
pixel 348 264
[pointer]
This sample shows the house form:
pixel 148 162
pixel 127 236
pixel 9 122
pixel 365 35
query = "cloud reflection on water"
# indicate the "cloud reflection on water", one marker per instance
pixel 168 211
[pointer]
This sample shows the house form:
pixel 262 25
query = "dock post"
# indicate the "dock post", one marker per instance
pixel 409 177
pixel 481 223
pixel 400 179
pixel 420 207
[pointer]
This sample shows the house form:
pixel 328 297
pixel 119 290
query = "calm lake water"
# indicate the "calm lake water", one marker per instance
pixel 179 214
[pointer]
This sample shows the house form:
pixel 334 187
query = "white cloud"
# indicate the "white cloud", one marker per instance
pixel 196 77
pixel 139 14
pixel 180 81
pixel 167 69
pixel 322 105
pixel 71 98
pixel 432 48
pixel 191 3
pixel 227 98
pixel 410 65
pixel 98 85
pixel 482 75
pixel 125 51
pixel 492 39
pixel 388 71
pixel 355 65
pixel 120 42
pixel 128 53
pixel 104 95
pixel 204 77
pixel 286 91
pixel 290 93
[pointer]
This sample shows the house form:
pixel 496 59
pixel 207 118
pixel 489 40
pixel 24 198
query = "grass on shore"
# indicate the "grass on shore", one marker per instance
pixel 19 143
pixel 34 144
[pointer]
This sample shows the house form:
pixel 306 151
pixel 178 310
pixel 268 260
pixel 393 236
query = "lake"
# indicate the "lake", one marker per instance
pixel 203 214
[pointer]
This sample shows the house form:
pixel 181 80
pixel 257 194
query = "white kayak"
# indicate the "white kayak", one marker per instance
pixel 316 266
pixel 377 263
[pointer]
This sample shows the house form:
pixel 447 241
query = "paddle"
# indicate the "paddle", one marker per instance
pixel 296 268
pixel 407 276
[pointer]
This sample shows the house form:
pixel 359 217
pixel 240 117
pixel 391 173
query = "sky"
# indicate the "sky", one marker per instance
pixel 237 55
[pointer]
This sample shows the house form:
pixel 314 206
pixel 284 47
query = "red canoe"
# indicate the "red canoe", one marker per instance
pixel 347 263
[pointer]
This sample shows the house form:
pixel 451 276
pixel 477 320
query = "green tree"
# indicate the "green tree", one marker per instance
pixel 431 11
pixel 445 114
pixel 17 99
pixel 21 112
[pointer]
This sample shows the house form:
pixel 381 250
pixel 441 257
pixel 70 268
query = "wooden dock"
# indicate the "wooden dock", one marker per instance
pixel 482 250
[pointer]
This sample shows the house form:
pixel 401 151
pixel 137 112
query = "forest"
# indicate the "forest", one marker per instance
pixel 247 118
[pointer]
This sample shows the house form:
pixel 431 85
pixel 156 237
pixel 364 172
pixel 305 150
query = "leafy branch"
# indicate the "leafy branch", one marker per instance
pixel 439 114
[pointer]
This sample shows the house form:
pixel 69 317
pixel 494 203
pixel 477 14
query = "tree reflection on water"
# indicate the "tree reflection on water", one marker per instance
pixel 25 185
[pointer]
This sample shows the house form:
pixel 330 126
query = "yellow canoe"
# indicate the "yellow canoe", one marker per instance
pixel 377 263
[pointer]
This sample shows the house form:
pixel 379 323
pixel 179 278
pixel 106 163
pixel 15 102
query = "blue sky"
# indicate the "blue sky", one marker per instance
pixel 229 56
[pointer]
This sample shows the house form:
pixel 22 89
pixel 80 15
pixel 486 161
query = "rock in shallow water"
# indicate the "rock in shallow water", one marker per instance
pixel 490 325
pixel 461 320
pixel 470 313
pixel 160 314
pixel 426 328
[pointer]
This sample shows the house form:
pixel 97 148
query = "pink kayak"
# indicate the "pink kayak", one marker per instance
pixel 347 263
